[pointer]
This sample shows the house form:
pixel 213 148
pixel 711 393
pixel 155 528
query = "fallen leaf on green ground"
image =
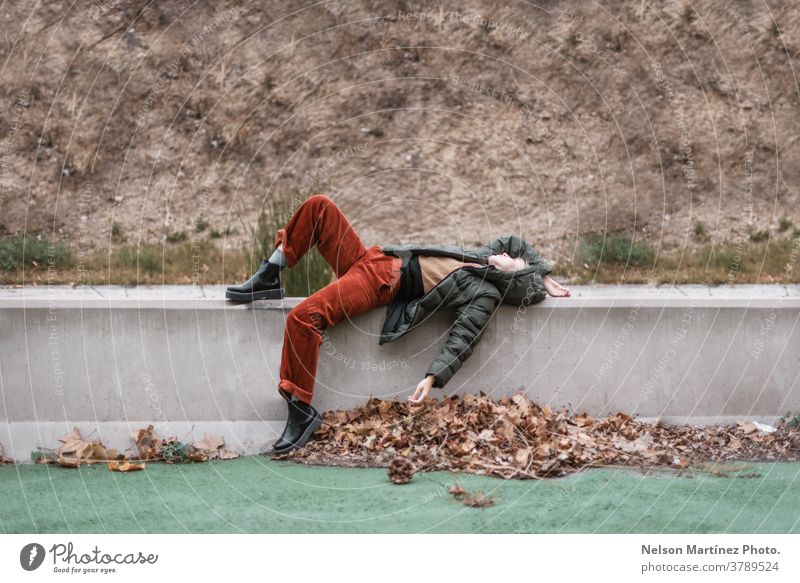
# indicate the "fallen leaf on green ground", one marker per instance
pixel 74 444
pixel 77 451
pixel 125 466
pixel 226 454
pixel 457 491
pixel 478 500
pixel 720 470
pixel 69 461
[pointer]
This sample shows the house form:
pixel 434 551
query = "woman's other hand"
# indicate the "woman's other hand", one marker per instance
pixel 422 390
pixel 554 288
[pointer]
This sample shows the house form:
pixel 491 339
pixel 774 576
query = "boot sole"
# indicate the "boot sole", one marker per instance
pixel 316 424
pixel 267 294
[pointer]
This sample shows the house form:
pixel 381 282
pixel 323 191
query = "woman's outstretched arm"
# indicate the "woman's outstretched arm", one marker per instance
pixel 471 319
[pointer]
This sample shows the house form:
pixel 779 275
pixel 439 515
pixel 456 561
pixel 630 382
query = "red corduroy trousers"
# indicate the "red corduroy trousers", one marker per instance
pixel 366 278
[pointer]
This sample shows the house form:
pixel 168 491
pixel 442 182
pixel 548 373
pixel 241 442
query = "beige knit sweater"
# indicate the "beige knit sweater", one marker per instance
pixel 435 269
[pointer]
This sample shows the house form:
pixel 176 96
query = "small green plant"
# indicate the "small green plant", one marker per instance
pixel 793 422
pixel 217 234
pixel 200 224
pixel 761 235
pixel 177 237
pixel 146 258
pixel 18 251
pixel 699 231
pixel 175 452
pixel 784 224
pixel 116 230
pixel 616 248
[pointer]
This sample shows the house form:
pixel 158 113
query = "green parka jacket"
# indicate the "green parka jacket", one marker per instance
pixel 472 292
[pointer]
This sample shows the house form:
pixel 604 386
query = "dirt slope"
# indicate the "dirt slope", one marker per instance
pixel 443 123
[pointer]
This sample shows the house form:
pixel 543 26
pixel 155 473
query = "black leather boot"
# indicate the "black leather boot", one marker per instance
pixel 303 421
pixel 264 285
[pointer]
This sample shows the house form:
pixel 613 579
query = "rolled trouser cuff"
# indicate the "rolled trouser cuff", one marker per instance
pixel 296 390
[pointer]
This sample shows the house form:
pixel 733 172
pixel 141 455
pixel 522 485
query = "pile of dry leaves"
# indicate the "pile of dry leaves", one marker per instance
pixel 515 438
pixel 76 451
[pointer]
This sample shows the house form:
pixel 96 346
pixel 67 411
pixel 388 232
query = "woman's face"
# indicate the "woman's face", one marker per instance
pixel 505 262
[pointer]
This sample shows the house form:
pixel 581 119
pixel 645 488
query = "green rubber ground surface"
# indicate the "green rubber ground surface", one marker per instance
pixel 255 494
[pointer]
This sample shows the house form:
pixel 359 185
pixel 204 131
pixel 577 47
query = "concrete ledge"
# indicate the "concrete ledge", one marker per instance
pixel 116 359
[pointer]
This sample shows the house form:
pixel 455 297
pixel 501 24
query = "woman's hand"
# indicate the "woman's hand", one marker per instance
pixel 554 288
pixel 423 388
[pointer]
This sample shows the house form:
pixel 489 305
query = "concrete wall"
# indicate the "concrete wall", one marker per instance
pixel 116 360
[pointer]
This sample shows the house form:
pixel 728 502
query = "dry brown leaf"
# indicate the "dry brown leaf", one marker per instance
pixel 505 430
pixel 75 446
pixel 486 435
pixel 74 435
pixel 522 403
pixel 148 446
pixel 478 500
pixel 680 462
pixel 125 466
pixel 522 456
pixel 69 461
pixel 210 443
pixel 96 451
pixel 457 491
pixel 747 427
